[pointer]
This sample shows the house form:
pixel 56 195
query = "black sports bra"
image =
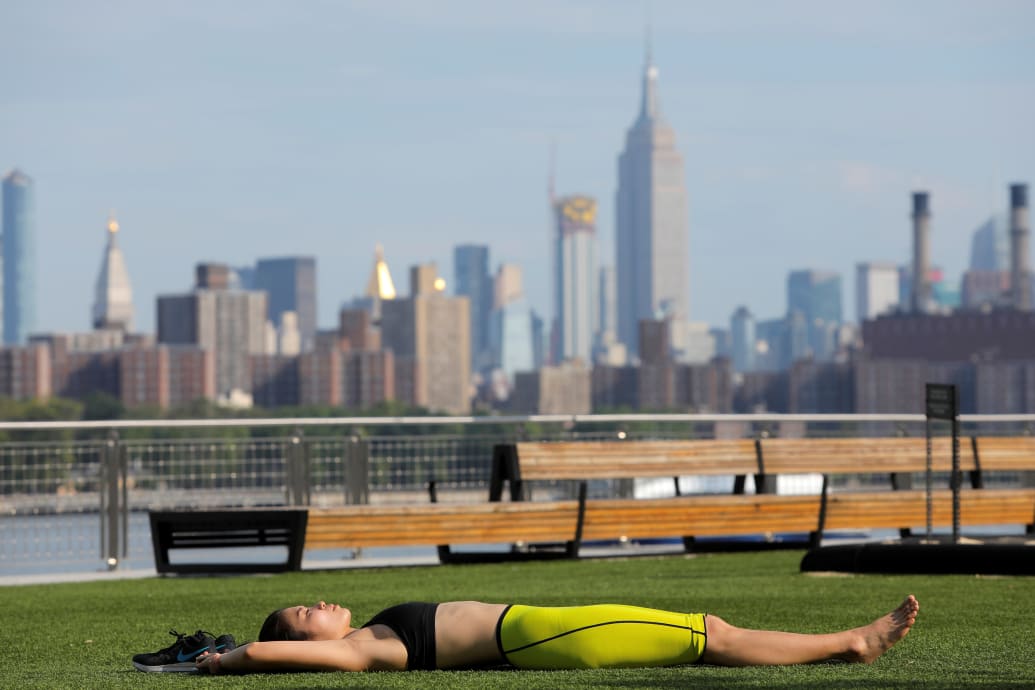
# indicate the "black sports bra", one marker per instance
pixel 414 623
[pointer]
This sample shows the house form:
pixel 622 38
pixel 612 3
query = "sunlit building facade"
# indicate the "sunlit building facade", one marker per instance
pixel 575 277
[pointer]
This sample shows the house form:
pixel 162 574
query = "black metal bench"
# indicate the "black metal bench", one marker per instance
pixel 228 529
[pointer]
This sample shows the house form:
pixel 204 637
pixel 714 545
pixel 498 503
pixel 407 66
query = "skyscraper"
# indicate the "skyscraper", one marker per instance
pixel 876 289
pixel 651 220
pixel 987 280
pixel 290 283
pixel 990 246
pixel 510 330
pixel 471 279
pixel 817 295
pixel 19 258
pixel 575 277
pixel 113 295
pixel 742 334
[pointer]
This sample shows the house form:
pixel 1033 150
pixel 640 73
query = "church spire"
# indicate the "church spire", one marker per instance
pixel 113 296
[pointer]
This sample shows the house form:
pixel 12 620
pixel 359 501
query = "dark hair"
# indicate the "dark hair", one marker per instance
pixel 274 628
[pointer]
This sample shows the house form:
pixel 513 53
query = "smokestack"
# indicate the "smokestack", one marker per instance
pixel 1020 277
pixel 921 253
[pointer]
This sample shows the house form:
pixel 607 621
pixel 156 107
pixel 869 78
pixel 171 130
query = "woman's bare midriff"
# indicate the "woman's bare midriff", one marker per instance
pixel 465 633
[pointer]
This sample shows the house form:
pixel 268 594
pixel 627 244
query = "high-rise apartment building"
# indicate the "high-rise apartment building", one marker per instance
pixel 275 380
pixel 18 245
pixel 563 389
pixel 575 277
pixel 290 283
pixel 229 323
pixel 165 375
pixel 651 220
pixel 876 289
pixel 25 372
pixel 113 295
pixel 471 279
pixel 428 333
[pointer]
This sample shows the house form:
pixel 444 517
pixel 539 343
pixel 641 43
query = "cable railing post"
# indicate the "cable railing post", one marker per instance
pixel 297 493
pixel 357 470
pixel 110 500
pixel 307 469
pixel 123 455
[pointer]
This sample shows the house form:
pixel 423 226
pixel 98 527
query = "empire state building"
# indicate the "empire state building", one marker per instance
pixel 651 220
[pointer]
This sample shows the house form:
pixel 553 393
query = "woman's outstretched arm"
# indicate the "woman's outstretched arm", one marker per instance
pixel 323 655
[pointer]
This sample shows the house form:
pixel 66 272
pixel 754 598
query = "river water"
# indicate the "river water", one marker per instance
pixel 71 543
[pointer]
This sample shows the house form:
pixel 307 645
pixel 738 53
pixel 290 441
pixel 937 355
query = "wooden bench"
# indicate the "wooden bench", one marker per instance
pixel 901 458
pixel 515 463
pixel 740 514
pixel 556 525
pixel 228 529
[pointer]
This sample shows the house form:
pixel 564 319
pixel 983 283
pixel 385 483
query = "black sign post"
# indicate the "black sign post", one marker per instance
pixel 941 402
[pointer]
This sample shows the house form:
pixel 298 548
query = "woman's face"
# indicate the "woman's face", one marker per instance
pixel 321 621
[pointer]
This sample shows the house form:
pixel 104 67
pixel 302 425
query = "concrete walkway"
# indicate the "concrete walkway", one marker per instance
pixel 366 560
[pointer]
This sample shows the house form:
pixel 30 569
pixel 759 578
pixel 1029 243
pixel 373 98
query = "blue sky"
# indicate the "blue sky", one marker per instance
pixel 230 131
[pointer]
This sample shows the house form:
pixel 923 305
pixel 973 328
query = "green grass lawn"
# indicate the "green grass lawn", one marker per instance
pixel 972 631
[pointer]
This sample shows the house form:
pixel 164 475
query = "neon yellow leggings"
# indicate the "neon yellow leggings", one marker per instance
pixel 601 636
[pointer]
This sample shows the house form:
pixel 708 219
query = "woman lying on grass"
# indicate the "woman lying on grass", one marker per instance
pixel 464 634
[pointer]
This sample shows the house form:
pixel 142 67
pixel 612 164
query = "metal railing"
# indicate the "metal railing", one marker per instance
pixel 75 496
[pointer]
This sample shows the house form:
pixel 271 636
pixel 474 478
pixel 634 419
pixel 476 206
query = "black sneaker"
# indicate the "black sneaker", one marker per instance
pixel 178 656
pixel 225 643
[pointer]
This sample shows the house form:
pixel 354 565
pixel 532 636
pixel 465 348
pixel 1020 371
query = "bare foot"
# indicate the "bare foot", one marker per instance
pixel 870 641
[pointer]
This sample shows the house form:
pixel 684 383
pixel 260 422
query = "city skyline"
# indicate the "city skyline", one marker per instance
pixel 803 131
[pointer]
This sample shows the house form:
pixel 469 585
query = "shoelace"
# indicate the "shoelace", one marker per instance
pixel 181 638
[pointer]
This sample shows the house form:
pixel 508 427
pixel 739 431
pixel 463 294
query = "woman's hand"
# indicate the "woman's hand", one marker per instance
pixel 209 662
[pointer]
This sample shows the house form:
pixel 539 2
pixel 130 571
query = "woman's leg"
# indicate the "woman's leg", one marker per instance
pixel 732 646
pixel 599 636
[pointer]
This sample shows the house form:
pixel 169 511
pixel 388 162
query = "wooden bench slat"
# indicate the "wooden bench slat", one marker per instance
pixel 699 515
pixel 894 509
pixel 861 455
pixel 436 524
pixel 1008 453
pixel 622 459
